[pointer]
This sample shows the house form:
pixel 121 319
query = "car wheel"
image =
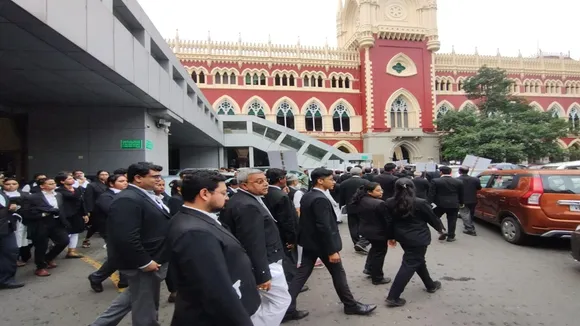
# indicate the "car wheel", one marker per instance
pixel 511 230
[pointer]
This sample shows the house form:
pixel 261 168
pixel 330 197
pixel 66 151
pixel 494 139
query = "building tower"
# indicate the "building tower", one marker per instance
pixel 396 40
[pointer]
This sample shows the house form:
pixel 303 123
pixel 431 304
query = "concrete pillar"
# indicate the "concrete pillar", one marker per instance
pixel 91 139
pixel 251 156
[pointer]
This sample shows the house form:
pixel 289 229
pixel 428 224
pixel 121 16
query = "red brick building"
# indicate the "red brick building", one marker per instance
pixel 380 90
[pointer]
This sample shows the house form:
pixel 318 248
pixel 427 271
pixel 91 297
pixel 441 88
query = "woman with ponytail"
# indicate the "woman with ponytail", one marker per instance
pixel 367 203
pixel 408 217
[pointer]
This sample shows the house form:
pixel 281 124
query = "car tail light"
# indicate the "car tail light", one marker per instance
pixel 578 228
pixel 532 197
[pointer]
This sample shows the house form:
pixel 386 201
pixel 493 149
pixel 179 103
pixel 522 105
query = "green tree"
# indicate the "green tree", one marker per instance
pixel 506 127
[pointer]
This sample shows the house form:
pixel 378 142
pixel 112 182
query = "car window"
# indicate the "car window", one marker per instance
pixel 484 179
pixel 573 167
pixel 502 181
pixel 561 184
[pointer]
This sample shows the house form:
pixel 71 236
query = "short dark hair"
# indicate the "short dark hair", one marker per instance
pixel 368 170
pixel 101 171
pixel 113 178
pixel 42 181
pixel 36 175
pixel 464 170
pixel 194 182
pixel 389 167
pixel 233 182
pixel 320 173
pixel 141 169
pixel 274 175
pixel 61 176
pixel 348 168
pixel 185 172
pixel 119 171
pixel 445 169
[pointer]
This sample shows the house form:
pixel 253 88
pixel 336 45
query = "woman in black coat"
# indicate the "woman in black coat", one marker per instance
pixel 408 220
pixel 73 210
pixel 367 203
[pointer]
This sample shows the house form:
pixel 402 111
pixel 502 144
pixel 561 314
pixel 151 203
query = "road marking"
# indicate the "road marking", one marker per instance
pixel 114 277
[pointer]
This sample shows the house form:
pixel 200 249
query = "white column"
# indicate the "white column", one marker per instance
pixel 251 156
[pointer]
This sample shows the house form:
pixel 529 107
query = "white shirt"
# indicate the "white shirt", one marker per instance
pixel 27 187
pixel 76 184
pixel 115 190
pixel 12 194
pixel 51 199
pixel 297 197
pixel 3 202
pixel 213 216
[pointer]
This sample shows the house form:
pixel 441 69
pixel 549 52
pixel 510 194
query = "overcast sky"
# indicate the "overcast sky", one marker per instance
pixel 488 24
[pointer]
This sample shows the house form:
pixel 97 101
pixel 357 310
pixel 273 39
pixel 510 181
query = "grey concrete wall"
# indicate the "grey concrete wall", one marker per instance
pixel 90 139
pixel 201 157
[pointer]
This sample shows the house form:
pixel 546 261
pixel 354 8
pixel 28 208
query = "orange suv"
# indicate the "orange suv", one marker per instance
pixel 525 203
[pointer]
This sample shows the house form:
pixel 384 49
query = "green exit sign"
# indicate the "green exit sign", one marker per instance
pixel 131 144
pixel 364 157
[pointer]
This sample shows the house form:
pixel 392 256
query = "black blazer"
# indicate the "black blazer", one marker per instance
pixel 348 189
pixel 101 212
pixel 387 182
pixel 284 212
pixel 470 187
pixel 372 213
pixel 343 177
pixel 7 219
pixel 412 230
pixel 73 209
pixel 92 193
pixel 256 230
pixel 318 229
pixel 174 203
pixel 210 266
pixel 446 192
pixel 421 187
pixel 136 229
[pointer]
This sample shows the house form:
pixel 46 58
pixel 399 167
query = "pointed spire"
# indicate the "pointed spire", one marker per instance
pixel 519 53
pixel 208 35
pixel 453 49
pixel 269 39
pixel 298 40
pixel 177 34
pixel 240 37
pixel 340 7
pixel 476 52
pixel 498 54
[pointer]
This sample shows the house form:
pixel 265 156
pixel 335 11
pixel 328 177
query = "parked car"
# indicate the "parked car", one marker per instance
pixel 572 165
pixel 575 243
pixel 525 203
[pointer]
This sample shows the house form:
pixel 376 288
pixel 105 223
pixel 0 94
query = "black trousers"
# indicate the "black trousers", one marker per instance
pixel 413 262
pixel 336 272
pixel 451 219
pixel 107 269
pixel 353 228
pixel 376 259
pixel 290 263
pixel 171 279
pixel 24 253
pixel 8 258
pixel 48 228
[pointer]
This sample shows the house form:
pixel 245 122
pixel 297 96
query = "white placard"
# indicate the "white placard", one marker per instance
pixel 401 163
pixel 476 163
pixel 426 167
pixel 285 160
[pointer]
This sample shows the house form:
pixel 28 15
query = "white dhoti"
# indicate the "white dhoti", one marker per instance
pixel 21 235
pixel 274 302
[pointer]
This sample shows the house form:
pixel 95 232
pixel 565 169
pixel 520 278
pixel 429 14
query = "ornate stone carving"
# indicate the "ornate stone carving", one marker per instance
pixel 395 12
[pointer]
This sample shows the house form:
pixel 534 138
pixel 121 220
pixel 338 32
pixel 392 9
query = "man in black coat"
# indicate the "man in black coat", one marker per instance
pixel 387 180
pixel 216 284
pixel 282 209
pixel 249 219
pixel 319 236
pixel 348 189
pixel 470 187
pixel 8 246
pixel 446 193
pixel 137 226
pixel 421 185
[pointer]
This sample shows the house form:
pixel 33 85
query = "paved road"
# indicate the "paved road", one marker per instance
pixel 486 281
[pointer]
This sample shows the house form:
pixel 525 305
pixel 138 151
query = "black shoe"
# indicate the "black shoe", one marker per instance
pixel 12 285
pixel 396 302
pixel 172 297
pixel 367 272
pixel 472 233
pixel 360 309
pixel 450 239
pixel 122 285
pixel 436 286
pixel 96 286
pixel 304 288
pixel 358 248
pixel 384 280
pixel 295 315
pixel 442 236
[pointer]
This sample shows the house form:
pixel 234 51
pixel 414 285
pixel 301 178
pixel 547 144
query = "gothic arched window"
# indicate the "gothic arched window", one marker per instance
pixel 284 116
pixel 226 108
pixel 256 109
pixel 555 111
pixel 400 113
pixel 574 118
pixel 313 118
pixel 340 118
pixel 441 111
